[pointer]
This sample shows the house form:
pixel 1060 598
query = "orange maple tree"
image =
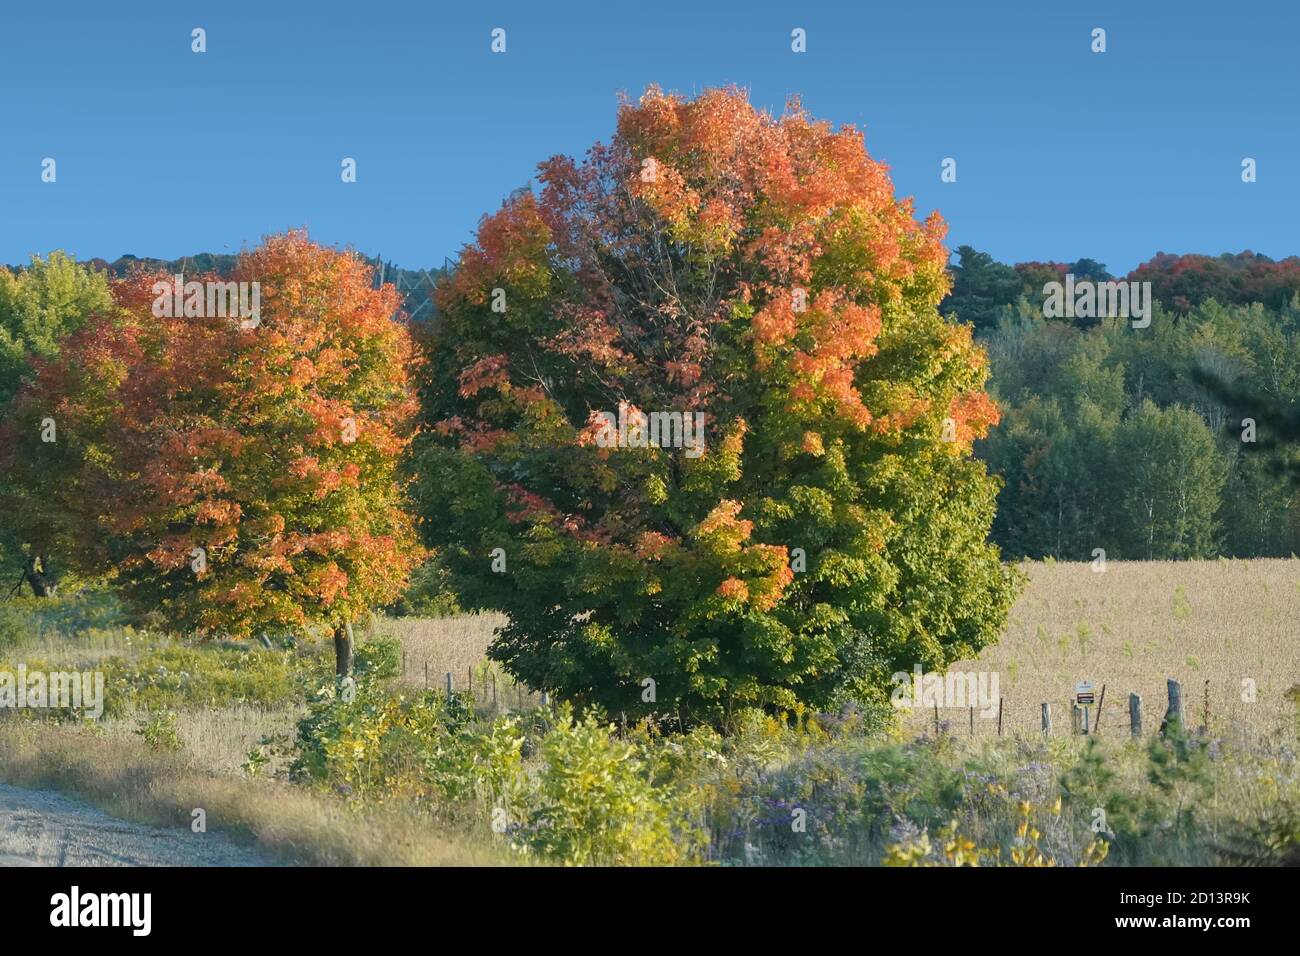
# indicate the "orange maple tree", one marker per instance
pixel 758 271
pixel 238 480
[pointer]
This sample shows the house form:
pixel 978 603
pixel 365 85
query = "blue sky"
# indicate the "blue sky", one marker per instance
pixel 1061 153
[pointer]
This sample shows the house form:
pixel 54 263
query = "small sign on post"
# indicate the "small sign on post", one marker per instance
pixel 1084 697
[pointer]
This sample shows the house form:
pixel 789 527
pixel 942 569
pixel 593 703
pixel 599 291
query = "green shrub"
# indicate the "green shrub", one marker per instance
pixel 429 594
pixel 591 798
pixel 596 804
pixel 379 658
pixel 798 791
pixel 159 731
pixel 255 761
pixel 1272 839
pixel 368 743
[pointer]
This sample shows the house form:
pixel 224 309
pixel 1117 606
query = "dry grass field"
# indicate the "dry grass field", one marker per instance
pixel 436 647
pixel 1130 628
pixel 1215 625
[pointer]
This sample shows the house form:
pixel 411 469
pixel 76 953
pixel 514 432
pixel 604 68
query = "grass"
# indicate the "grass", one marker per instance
pixel 218 703
pixel 1129 628
pixel 457 646
pixel 127 779
pixel 218 739
pixel 1205 624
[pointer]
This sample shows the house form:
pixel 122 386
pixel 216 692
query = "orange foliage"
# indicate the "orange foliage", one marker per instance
pixel 271 451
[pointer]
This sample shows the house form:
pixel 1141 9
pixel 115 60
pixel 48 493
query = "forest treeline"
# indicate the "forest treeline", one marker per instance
pixel 1111 437
pixel 1155 442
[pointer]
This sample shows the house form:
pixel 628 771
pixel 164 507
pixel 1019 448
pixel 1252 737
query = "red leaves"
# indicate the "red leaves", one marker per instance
pixel 489 372
pixel 526 505
pixel 723 529
pixel 776 323
pixel 734 589
pixel 1182 282
pixel 653 545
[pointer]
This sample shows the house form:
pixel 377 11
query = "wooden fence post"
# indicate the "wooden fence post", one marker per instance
pixel 1047 718
pixel 1175 711
pixel 1076 715
pixel 1135 714
pixel 972 721
pixel 1101 702
pixel 999 716
pixel 449 685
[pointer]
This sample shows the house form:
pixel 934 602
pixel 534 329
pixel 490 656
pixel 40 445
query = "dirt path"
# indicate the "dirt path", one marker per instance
pixel 42 828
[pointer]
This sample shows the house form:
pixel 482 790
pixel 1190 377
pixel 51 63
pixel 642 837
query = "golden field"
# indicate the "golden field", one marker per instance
pixel 1207 624
pixel 1129 628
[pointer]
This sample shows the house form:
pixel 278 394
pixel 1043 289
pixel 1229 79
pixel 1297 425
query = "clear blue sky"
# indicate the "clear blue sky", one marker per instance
pixel 1061 153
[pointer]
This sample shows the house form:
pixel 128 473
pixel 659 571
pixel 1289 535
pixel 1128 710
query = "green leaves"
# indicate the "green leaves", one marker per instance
pixel 40 306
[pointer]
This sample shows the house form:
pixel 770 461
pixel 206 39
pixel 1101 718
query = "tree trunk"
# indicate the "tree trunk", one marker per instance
pixel 343 650
pixel 36 577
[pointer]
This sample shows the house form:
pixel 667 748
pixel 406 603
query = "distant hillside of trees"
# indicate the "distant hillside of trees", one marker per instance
pixel 982 286
pixel 1173 441
pixel 416 285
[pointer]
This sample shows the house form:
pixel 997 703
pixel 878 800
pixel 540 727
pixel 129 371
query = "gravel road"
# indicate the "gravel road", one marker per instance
pixel 42 828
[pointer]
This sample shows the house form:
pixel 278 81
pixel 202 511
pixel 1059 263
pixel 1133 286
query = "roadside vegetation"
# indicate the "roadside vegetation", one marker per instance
pixel 389 772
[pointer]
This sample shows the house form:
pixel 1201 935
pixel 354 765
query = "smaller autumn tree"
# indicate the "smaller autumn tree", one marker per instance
pixel 712 266
pixel 239 477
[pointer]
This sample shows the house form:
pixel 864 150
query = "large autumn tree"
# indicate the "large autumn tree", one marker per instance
pixel 760 271
pixel 238 476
